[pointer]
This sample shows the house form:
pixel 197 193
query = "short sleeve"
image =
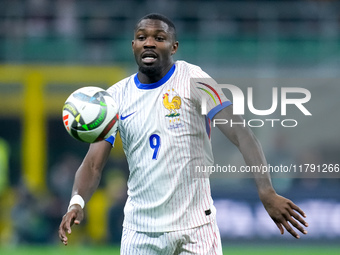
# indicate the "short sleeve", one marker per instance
pixel 116 91
pixel 206 94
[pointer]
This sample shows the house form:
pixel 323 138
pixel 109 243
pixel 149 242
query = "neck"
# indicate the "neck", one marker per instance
pixel 152 75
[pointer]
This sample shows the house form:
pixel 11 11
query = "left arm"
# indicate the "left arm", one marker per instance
pixel 280 209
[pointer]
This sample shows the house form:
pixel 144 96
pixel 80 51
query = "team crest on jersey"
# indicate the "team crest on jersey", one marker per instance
pixel 172 103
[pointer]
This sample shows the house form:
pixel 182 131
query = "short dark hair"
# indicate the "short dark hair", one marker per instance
pixel 161 17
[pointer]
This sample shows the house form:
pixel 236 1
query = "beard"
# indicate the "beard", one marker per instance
pixel 150 70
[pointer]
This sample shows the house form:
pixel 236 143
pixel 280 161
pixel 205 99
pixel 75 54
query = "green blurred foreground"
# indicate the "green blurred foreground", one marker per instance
pixel 231 250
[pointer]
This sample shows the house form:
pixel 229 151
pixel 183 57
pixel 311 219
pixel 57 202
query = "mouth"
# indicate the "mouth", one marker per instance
pixel 149 57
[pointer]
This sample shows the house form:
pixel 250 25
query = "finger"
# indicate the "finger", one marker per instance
pixel 298 217
pixel 64 241
pixel 288 218
pixel 280 227
pixel 68 226
pixel 70 221
pixel 290 229
pixel 67 223
pixel 297 225
pixel 298 209
pixel 78 219
pixel 62 235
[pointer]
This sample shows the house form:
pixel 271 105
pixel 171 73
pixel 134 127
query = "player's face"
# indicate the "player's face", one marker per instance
pixel 153 47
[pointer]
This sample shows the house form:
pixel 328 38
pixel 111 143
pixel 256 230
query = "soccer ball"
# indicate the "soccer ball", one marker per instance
pixel 90 114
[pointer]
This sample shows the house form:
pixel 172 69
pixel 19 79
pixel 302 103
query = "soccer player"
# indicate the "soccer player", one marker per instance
pixel 164 134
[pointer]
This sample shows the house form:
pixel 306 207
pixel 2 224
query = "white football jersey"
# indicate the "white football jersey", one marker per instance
pixel 164 136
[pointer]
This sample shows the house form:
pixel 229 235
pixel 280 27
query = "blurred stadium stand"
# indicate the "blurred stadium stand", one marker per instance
pixel 231 40
pixel 243 32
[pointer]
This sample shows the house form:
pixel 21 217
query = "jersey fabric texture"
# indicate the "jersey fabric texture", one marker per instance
pixel 164 135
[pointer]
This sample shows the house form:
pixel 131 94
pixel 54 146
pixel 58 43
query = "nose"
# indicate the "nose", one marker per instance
pixel 149 42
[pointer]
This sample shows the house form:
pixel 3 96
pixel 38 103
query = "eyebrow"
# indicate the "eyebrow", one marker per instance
pixel 157 31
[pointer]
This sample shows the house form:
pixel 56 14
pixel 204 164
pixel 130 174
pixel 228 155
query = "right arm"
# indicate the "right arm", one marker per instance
pixel 86 181
pixel 283 211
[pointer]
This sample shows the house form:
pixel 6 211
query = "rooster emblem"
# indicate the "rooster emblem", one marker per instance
pixel 172 106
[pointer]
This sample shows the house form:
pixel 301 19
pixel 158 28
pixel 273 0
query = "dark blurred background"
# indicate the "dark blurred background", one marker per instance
pixel 50 48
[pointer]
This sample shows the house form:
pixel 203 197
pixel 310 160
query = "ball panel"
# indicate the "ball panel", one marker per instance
pixel 71 108
pixel 97 121
pixel 104 134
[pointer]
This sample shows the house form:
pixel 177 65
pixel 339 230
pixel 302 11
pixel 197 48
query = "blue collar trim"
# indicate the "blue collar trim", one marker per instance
pixel 156 84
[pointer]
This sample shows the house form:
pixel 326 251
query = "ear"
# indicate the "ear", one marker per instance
pixel 174 48
pixel 133 46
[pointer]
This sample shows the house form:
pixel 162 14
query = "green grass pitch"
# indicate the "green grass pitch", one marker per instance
pixel 114 250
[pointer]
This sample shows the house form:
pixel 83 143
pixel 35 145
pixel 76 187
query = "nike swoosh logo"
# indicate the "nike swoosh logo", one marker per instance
pixel 126 116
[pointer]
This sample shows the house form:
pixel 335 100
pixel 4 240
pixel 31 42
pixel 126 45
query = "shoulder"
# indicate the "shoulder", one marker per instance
pixel 194 71
pixel 119 86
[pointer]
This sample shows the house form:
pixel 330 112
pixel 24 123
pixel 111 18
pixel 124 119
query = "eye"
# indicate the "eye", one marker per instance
pixel 160 38
pixel 140 37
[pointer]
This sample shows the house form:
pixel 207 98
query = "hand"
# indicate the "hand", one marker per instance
pixel 282 211
pixel 74 216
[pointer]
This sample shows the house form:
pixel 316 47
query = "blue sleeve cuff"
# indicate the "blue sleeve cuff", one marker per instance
pixel 111 139
pixel 217 108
